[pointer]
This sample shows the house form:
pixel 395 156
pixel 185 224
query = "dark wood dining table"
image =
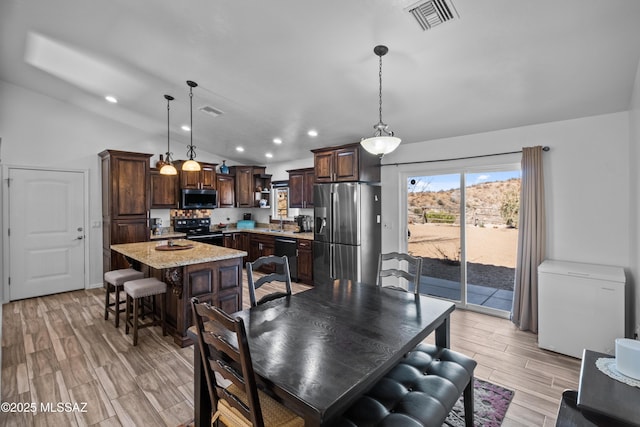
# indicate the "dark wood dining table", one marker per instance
pixel 319 350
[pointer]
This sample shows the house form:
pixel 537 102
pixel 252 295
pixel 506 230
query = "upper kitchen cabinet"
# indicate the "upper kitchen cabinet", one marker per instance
pixel 301 187
pixel 345 163
pixel 205 178
pixel 251 181
pixel 226 190
pixel 164 190
pixel 125 181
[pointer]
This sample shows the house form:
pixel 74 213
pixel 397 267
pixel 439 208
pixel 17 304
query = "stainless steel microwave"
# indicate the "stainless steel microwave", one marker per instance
pixel 198 199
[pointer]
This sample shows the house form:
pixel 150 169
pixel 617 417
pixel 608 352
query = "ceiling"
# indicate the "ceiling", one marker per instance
pixel 278 68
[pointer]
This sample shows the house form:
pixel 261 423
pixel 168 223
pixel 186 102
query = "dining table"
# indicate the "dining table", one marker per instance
pixel 319 350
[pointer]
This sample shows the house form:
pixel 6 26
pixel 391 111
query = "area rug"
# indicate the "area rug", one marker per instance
pixel 490 405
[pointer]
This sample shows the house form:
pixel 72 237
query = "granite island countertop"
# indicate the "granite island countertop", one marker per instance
pixel 146 253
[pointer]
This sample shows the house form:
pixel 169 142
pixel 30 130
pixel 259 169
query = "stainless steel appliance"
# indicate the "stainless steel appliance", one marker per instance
pixel 289 248
pixel 198 229
pixel 346 232
pixel 198 199
pixel 304 223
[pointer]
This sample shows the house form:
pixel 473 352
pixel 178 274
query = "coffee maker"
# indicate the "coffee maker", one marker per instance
pixel 304 223
pixel 156 226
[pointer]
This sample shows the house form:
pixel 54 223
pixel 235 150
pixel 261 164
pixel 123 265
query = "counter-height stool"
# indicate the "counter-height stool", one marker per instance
pixel 135 291
pixel 113 281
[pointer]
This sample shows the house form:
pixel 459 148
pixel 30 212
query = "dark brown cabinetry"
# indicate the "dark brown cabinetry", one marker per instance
pixel 305 261
pixel 301 187
pixel 261 245
pixel 239 241
pixel 250 180
pixel 164 190
pixel 125 202
pixel 226 191
pixel 345 163
pixel 205 178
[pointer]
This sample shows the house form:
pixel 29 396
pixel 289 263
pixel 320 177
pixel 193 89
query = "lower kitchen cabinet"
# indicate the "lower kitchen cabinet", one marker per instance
pixel 262 245
pixel 239 241
pixel 305 261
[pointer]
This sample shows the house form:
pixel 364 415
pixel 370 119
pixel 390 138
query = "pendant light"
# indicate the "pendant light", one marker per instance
pixel 382 141
pixel 191 165
pixel 168 168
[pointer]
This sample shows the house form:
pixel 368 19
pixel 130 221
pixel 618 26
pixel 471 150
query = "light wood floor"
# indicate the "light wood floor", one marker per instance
pixel 59 349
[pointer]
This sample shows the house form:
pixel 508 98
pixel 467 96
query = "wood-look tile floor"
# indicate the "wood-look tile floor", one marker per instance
pixel 59 348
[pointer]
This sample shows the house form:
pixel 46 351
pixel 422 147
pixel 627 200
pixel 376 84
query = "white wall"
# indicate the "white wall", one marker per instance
pixel 587 183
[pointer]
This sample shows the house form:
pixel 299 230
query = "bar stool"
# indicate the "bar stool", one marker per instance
pixel 135 291
pixel 113 281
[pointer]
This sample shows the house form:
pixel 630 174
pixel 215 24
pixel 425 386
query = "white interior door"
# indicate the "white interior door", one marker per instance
pixel 46 232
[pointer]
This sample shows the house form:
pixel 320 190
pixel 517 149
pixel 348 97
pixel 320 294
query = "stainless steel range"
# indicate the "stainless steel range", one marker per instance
pixel 198 229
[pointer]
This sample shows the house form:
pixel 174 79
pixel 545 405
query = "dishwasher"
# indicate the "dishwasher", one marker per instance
pixel 289 248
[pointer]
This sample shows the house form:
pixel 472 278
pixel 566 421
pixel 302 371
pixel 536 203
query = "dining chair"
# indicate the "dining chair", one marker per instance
pixel 390 265
pixel 281 274
pixel 229 374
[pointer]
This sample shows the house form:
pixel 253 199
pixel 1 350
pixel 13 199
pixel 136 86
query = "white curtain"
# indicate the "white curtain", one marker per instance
pixel 531 241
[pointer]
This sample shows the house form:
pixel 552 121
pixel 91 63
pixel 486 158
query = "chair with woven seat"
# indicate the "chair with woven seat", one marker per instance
pixel 113 281
pixel 391 265
pixel 229 374
pixel 281 274
pixel 136 291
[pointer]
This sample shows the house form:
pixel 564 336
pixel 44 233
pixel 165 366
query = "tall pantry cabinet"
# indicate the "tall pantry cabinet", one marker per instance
pixel 125 203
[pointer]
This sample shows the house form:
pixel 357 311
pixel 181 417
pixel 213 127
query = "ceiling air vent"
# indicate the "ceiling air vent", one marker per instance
pixel 210 111
pixel 433 12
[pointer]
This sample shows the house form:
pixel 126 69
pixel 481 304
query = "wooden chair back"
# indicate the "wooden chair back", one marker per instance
pixel 281 274
pixel 391 265
pixel 225 351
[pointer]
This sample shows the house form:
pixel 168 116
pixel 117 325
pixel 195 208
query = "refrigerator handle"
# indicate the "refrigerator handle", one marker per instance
pixel 331 262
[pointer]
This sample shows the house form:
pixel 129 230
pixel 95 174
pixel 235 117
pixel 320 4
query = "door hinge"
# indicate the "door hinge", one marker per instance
pixel 8 232
pixel 9 281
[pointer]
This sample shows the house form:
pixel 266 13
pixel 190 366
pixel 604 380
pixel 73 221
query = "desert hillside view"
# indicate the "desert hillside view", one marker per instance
pixel 491 233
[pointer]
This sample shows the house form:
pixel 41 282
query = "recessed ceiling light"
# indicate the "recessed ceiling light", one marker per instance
pixel 277 140
pixel 185 128
pixel 312 132
pixel 268 155
pixel 240 149
pixel 112 99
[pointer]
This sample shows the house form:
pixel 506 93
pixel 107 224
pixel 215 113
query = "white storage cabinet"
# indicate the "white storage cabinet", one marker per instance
pixel 580 306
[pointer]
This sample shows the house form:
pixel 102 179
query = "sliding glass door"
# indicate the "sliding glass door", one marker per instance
pixel 464 226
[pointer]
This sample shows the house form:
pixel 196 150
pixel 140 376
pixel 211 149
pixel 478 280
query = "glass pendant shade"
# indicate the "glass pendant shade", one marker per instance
pixel 168 168
pixel 383 141
pixel 380 145
pixel 191 165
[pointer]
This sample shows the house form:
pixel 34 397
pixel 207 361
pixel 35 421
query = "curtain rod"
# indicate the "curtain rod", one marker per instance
pixel 545 148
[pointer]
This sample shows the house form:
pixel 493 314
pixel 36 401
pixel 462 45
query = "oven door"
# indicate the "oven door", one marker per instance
pixel 210 239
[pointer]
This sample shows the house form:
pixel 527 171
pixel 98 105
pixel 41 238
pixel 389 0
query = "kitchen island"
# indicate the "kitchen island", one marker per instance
pixel 190 269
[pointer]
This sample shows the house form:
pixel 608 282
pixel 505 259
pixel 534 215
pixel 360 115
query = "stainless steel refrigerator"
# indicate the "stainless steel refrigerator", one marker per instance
pixel 347 231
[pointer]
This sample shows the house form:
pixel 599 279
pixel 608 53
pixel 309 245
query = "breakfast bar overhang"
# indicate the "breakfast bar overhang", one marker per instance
pixel 190 269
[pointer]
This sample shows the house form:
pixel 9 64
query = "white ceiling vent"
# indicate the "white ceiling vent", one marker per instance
pixel 210 111
pixel 433 12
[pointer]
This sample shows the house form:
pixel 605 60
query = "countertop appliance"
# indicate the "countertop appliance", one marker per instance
pixel 346 232
pixel 580 306
pixel 289 248
pixel 304 223
pixel 198 229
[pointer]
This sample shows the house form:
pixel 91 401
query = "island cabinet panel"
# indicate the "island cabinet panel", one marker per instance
pixel 164 190
pixel 345 163
pixel 218 283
